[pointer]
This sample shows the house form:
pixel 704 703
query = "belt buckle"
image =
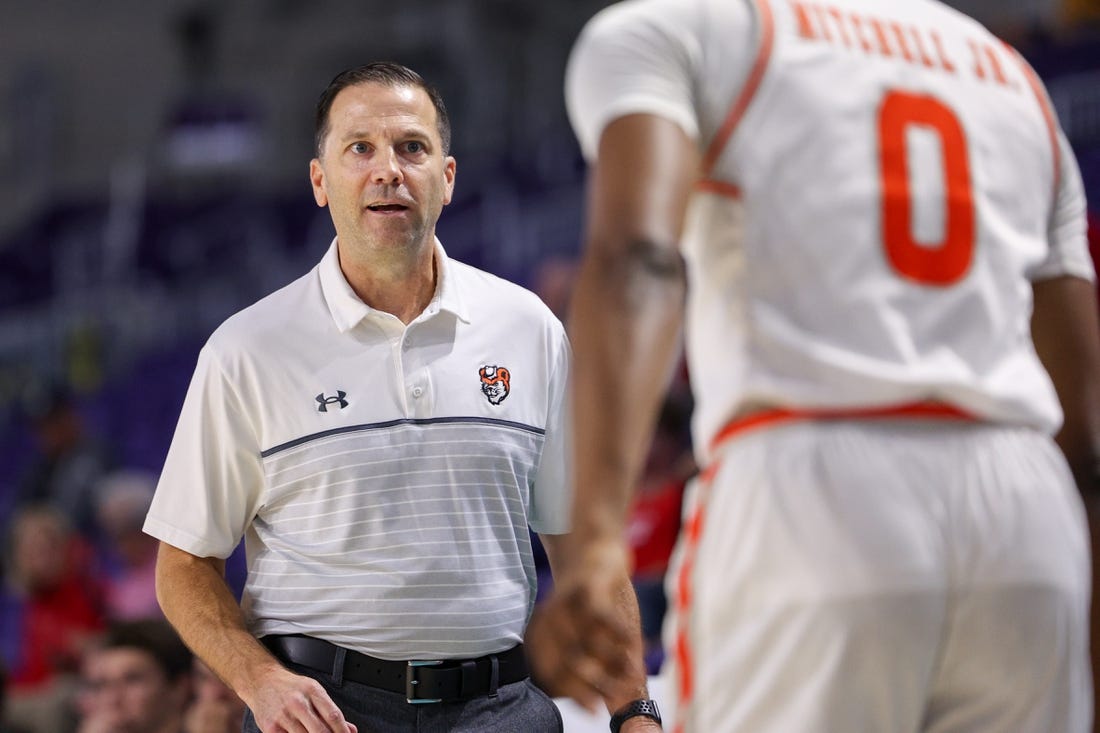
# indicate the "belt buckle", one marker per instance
pixel 411 681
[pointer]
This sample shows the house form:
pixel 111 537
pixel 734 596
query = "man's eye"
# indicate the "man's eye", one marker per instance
pixel 359 148
pixel 414 147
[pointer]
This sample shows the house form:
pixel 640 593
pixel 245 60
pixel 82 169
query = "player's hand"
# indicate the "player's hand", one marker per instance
pixel 582 645
pixel 284 702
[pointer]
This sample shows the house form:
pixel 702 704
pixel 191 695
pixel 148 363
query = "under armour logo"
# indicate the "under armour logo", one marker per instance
pixel 323 402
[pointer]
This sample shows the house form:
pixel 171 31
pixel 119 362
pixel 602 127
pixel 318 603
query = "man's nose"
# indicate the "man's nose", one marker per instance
pixel 387 170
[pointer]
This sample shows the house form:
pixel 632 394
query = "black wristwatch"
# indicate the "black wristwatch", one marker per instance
pixel 645 708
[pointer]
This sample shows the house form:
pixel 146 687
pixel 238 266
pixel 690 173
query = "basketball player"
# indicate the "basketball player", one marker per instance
pixel 869 220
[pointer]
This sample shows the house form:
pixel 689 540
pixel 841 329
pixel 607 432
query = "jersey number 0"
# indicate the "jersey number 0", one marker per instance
pixel 946 262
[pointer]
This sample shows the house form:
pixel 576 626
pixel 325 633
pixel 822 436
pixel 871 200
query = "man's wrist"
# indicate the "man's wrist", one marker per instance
pixel 635 711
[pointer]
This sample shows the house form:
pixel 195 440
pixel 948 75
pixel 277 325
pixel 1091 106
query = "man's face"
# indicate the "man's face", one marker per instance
pixel 129 693
pixel 382 171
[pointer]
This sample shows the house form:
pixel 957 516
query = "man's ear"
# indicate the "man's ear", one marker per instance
pixel 448 179
pixel 317 178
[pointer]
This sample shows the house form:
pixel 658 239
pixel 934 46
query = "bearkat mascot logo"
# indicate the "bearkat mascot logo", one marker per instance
pixel 494 383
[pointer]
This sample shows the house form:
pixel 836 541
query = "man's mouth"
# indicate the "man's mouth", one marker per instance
pixel 387 208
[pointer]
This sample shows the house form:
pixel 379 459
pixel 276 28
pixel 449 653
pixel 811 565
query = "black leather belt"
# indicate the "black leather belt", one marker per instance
pixel 420 681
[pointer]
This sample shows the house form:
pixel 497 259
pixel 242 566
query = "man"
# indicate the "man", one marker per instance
pixel 137 679
pixel 343 428
pixel 129 555
pixel 871 200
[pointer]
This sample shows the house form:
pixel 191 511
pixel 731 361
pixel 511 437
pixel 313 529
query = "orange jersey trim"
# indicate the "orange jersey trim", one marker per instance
pixel 779 415
pixel 1048 113
pixel 685 653
pixel 737 111
pixel 711 185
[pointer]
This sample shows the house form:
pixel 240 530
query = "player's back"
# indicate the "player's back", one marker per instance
pixel 865 232
pixel 879 191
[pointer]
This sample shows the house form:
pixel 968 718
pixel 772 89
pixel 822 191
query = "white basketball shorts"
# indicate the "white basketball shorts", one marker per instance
pixel 882 576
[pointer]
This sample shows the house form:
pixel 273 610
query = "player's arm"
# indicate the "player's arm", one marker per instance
pixel 1066 331
pixel 1066 334
pixel 625 328
pixel 1065 325
pixel 626 315
pixel 196 599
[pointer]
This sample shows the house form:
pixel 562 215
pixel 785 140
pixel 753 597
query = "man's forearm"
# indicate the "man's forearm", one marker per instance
pixel 197 601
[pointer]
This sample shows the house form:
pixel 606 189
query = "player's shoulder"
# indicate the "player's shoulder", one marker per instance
pixel 629 15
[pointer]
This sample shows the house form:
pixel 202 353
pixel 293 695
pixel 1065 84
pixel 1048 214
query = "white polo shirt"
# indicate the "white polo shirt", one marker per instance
pixel 383 476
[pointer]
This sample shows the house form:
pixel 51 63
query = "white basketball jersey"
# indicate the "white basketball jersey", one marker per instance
pixel 882 181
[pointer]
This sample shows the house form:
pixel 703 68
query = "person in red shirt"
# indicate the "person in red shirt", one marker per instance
pixel 51 609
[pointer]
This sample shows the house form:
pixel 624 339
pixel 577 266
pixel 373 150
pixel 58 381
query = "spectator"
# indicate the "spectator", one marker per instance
pixel 5 727
pixel 136 680
pixel 69 460
pixel 49 610
pixel 129 555
pixel 554 283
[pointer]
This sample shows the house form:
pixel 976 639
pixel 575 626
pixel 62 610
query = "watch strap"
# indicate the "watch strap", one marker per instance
pixel 633 709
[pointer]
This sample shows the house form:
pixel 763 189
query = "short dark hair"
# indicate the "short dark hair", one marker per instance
pixel 379 72
pixel 156 638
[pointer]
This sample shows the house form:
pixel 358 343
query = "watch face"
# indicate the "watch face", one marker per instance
pixel 643 708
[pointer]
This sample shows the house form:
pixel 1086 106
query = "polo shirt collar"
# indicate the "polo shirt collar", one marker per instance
pixel 348 310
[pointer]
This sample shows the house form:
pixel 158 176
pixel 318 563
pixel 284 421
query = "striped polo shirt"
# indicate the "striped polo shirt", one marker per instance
pixel 383 476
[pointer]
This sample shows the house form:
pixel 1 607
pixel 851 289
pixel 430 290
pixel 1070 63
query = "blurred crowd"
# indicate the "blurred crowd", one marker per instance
pixel 83 644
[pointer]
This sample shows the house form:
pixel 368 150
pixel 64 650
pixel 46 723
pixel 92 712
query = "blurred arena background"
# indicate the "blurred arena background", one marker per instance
pixel 153 173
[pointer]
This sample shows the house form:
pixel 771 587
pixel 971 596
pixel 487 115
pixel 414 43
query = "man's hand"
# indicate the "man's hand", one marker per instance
pixel 582 646
pixel 284 702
